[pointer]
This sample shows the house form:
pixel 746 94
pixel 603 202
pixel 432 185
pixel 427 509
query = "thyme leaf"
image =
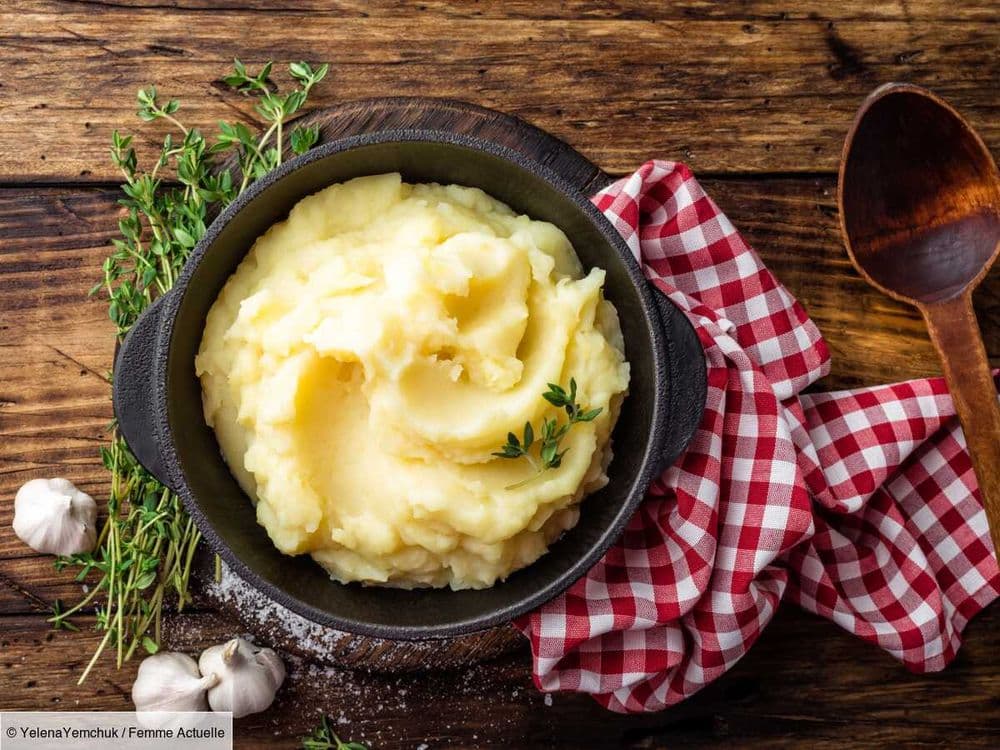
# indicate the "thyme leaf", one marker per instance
pixel 324 738
pixel 550 435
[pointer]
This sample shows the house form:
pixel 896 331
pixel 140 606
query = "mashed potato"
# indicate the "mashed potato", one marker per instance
pixel 370 354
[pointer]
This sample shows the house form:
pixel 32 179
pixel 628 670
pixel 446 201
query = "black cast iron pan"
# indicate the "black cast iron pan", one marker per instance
pixel 157 397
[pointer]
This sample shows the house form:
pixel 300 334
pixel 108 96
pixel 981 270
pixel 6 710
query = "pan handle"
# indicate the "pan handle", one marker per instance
pixel 687 380
pixel 134 392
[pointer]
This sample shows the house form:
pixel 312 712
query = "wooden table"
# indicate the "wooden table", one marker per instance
pixel 755 96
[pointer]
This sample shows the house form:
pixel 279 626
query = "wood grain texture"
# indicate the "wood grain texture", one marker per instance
pixel 580 10
pixel 755 95
pixel 803 684
pixel 722 94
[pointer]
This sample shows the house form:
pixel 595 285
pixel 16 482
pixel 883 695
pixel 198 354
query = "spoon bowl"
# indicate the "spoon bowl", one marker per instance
pixel 919 197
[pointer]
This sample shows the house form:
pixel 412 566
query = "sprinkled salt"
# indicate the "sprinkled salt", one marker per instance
pixel 279 627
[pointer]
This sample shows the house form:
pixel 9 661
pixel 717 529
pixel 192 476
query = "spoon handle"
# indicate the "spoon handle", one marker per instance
pixel 956 336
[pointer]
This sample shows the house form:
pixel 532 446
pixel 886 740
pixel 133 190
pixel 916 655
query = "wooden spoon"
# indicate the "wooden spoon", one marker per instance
pixel 919 201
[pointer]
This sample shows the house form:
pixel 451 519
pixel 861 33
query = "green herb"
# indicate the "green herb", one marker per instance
pixel 143 554
pixel 323 738
pixel 550 435
pixel 146 546
pixel 60 623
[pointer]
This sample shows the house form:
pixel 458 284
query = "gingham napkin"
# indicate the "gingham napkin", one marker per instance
pixel 859 505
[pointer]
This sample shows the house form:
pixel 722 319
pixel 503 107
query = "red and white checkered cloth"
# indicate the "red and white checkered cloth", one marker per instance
pixel 860 505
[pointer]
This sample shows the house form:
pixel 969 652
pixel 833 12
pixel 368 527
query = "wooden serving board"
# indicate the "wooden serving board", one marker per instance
pixel 424 113
pixel 270 624
pixel 263 618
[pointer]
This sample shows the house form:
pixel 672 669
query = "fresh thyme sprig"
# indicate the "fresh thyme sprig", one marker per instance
pixel 144 553
pixel 550 435
pixel 146 547
pixel 323 738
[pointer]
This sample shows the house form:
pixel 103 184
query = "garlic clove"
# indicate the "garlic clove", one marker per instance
pixel 248 677
pixel 170 681
pixel 230 652
pixel 269 659
pixel 54 517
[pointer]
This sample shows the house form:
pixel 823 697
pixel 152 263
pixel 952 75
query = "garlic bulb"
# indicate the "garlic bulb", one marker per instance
pixel 248 677
pixel 170 682
pixel 53 516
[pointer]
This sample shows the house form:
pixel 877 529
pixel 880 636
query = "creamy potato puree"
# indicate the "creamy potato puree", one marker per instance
pixel 374 349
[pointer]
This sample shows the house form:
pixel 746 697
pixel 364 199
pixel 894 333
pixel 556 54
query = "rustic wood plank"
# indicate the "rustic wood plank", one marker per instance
pixel 724 95
pixel 57 344
pixel 746 10
pixel 804 681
